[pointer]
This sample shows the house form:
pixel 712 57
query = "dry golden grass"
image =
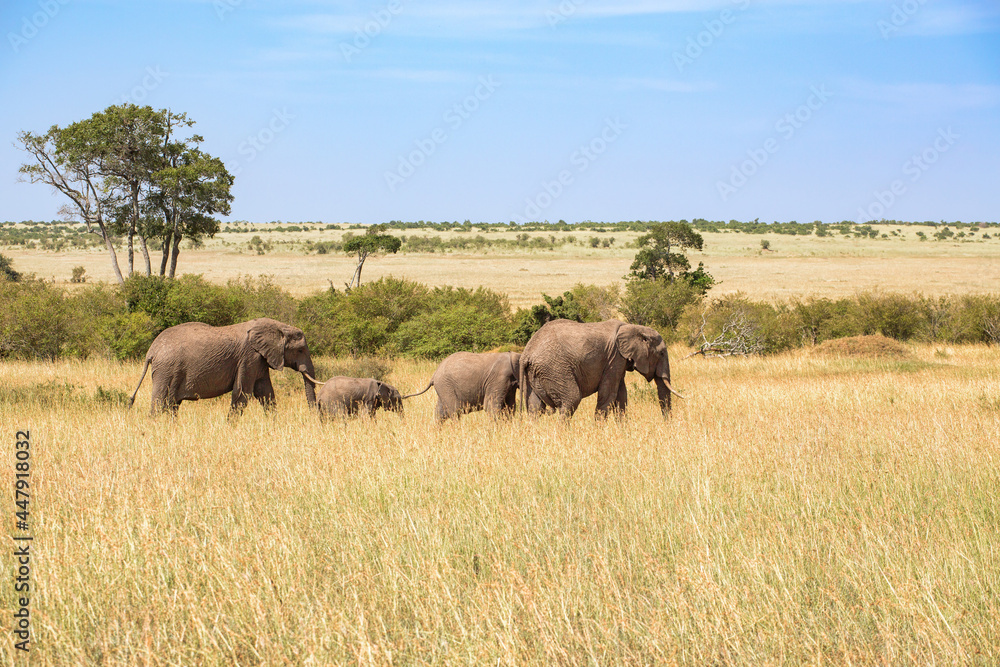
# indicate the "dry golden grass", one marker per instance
pixel 794 510
pixel 797 265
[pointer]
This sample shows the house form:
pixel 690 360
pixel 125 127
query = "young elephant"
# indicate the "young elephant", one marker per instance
pixel 341 396
pixel 466 382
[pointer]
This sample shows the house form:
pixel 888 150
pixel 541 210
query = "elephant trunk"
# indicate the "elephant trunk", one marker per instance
pixel 308 375
pixel 663 389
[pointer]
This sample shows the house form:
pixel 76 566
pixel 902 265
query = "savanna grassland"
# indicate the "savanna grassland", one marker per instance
pixel 812 507
pixel 795 509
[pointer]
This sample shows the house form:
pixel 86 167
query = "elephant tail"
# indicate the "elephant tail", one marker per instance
pixel 136 392
pixel 524 384
pixel 429 385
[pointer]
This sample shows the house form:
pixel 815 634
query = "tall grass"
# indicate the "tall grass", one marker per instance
pixel 793 510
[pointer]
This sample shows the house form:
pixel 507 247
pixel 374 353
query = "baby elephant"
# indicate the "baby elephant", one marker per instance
pixel 346 396
pixel 466 382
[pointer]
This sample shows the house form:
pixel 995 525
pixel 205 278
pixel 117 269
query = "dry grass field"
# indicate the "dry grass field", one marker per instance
pixel 814 507
pixel 796 509
pixel 833 266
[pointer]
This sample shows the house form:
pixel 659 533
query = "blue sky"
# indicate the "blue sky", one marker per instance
pixel 345 111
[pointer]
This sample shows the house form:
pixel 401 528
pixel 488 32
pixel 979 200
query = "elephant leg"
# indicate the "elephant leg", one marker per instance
pixel 534 404
pixel 263 391
pixel 164 400
pixel 442 413
pixel 610 393
pixel 570 401
pixel 509 404
pixel 621 400
pixel 240 400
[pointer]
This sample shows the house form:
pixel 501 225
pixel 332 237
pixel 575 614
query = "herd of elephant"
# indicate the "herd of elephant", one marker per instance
pixel 563 363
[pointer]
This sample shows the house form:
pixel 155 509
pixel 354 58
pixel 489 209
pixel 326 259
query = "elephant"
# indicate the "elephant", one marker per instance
pixel 467 382
pixel 346 396
pixel 566 361
pixel 195 360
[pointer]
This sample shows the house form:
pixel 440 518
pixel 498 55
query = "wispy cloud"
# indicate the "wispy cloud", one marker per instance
pixel 934 96
pixel 663 85
pixel 933 19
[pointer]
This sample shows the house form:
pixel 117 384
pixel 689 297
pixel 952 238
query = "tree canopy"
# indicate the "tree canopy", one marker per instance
pixel 661 251
pixel 126 174
pixel 373 241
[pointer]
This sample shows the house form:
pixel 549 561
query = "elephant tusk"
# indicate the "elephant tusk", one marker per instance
pixel 313 380
pixel 672 390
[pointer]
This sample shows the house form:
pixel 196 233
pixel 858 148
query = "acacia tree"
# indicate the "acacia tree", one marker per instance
pixel 661 285
pixel 371 242
pixel 662 250
pixel 127 175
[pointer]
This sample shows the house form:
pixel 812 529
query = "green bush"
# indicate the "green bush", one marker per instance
pixel 321 316
pixel 820 319
pixel 262 298
pixel 147 293
pixel 189 298
pixel 35 320
pixel 659 303
pixel 360 322
pixel 128 335
pixel 976 319
pixel 584 303
pixel 455 320
pixel 91 311
pixel 891 314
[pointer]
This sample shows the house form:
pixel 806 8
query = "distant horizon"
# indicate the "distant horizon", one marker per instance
pixel 229 221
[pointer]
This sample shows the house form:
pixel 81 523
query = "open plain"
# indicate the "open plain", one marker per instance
pixel 801 508
pixel 831 266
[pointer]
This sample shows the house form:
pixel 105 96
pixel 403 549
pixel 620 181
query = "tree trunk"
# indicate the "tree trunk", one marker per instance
pixel 165 255
pixel 111 251
pixel 131 253
pixel 176 251
pixel 145 255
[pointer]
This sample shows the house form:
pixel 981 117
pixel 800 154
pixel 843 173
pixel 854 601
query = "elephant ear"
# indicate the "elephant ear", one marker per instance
pixel 634 344
pixel 268 340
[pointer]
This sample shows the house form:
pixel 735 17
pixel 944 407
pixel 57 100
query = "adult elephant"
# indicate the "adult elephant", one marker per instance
pixel 342 395
pixel 196 360
pixel 566 361
pixel 468 381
